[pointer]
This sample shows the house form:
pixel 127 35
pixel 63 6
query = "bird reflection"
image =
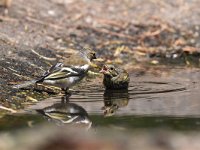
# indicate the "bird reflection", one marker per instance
pixel 113 100
pixel 66 113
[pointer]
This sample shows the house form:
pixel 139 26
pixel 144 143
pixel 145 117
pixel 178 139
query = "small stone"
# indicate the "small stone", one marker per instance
pixel 155 62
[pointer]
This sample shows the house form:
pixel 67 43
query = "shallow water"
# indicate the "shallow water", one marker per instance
pixel 170 101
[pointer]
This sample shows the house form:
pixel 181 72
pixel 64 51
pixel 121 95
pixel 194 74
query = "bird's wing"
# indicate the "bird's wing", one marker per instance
pixel 78 69
pixel 64 72
pixel 58 115
pixel 53 68
pixel 122 77
pixel 56 67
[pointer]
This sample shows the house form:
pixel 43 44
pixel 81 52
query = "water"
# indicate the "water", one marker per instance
pixel 170 101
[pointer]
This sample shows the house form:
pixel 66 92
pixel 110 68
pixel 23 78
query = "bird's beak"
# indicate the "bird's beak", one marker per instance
pixel 94 57
pixel 104 69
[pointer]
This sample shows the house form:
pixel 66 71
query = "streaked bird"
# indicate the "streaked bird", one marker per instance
pixel 115 78
pixel 113 100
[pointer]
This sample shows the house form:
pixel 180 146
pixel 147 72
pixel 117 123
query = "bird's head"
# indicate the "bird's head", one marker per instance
pixel 91 55
pixel 88 54
pixel 109 70
pixel 109 110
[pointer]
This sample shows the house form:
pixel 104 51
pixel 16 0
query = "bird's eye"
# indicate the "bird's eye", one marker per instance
pixel 92 54
pixel 111 68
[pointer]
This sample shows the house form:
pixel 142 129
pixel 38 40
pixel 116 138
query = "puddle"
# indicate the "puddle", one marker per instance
pixel 125 123
pixel 150 102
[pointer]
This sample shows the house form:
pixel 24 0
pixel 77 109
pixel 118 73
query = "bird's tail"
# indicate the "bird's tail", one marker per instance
pixel 25 84
pixel 41 111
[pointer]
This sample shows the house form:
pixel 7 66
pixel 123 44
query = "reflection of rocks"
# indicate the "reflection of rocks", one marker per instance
pixel 66 113
pixel 113 100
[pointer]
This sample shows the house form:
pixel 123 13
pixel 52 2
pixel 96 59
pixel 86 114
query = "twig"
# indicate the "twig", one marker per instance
pixel 46 58
pixel 22 76
pixel 8 109
pixel 15 73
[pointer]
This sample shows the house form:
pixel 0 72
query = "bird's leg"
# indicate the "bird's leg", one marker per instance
pixel 66 96
pixel 66 90
pixel 65 99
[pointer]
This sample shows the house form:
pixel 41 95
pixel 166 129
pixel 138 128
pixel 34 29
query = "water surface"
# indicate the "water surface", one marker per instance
pixel 170 101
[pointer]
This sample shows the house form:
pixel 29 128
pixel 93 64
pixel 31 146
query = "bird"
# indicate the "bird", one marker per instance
pixel 66 113
pixel 63 76
pixel 115 78
pixel 113 100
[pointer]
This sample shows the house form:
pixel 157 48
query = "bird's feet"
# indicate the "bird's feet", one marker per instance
pixel 65 98
pixel 67 94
